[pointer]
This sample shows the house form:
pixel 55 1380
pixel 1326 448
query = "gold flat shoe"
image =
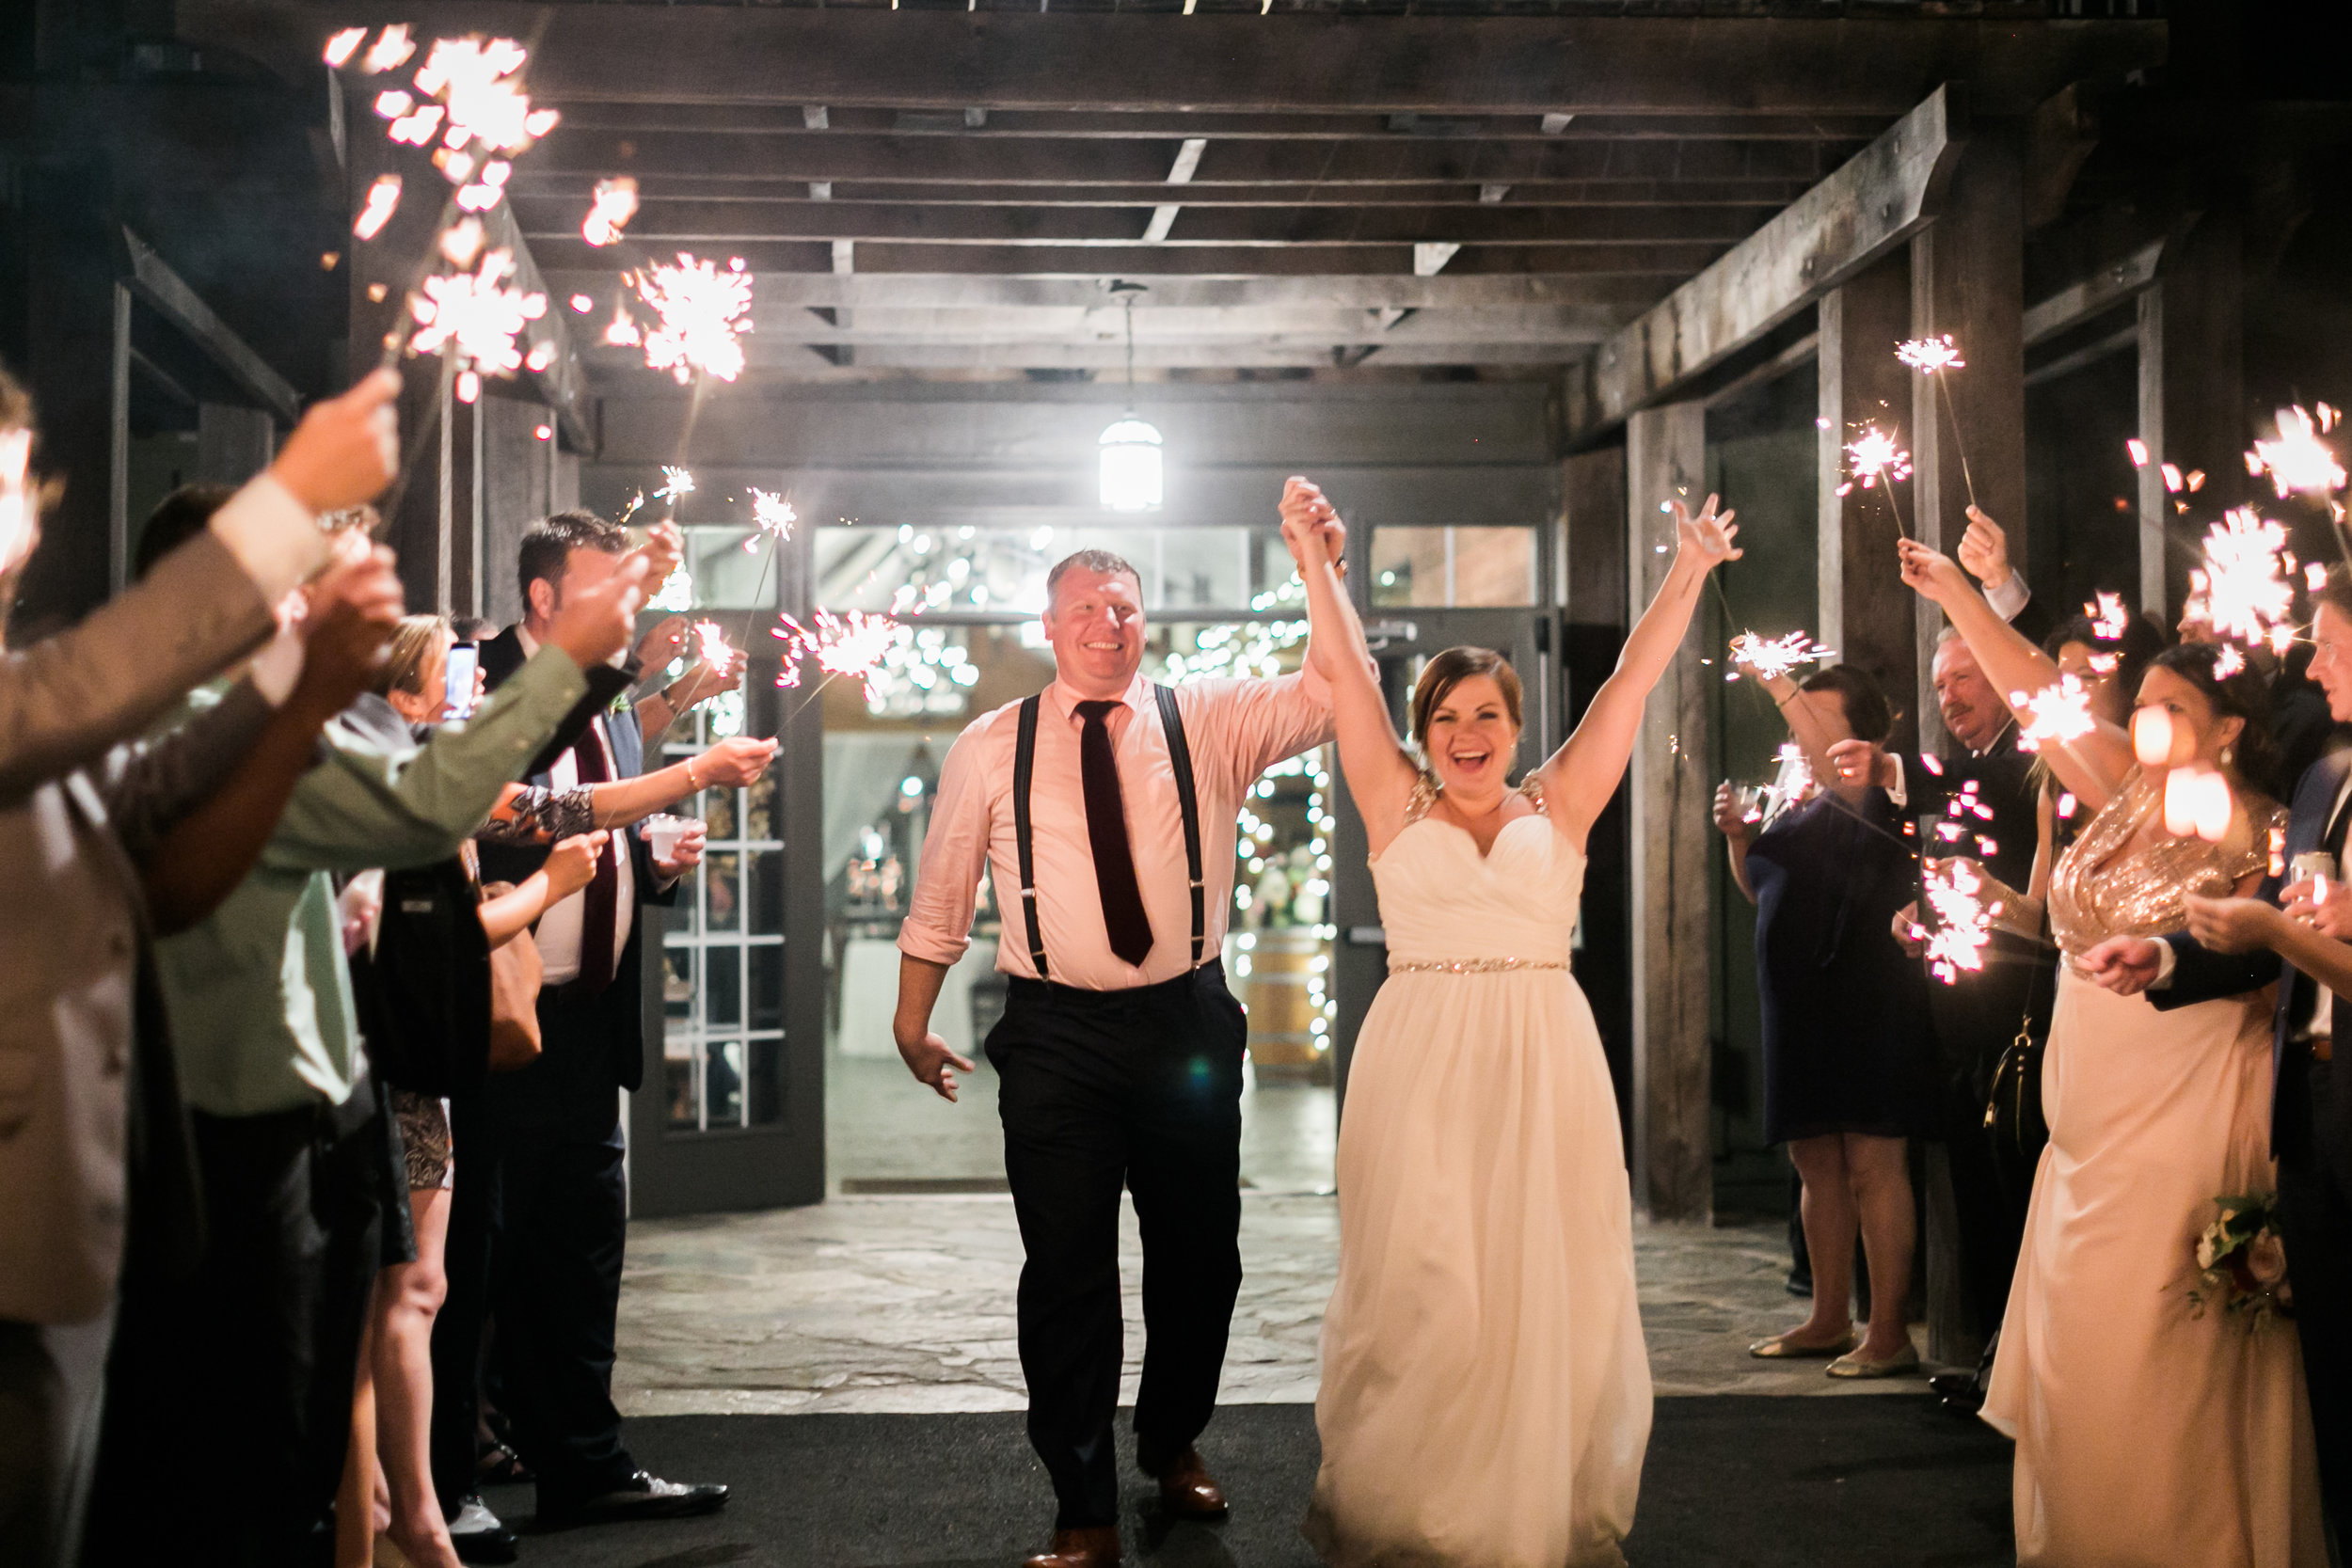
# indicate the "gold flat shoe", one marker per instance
pixel 1904 1360
pixel 1778 1347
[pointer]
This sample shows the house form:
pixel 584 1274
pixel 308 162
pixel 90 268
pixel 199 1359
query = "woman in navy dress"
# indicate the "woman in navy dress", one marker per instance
pixel 1847 1048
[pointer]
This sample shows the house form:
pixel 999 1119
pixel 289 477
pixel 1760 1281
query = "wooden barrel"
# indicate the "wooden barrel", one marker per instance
pixel 1287 968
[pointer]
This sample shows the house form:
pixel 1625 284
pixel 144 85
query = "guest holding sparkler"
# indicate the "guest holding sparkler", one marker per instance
pixel 1848 1059
pixel 538 1215
pixel 2302 914
pixel 2113 1382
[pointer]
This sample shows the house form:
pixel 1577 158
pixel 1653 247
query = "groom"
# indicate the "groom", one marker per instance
pixel 2235 948
pixel 1106 809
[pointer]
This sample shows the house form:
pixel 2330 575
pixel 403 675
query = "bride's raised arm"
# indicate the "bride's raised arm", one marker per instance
pixel 1583 774
pixel 1379 774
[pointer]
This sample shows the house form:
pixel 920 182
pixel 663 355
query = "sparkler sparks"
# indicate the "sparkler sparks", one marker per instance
pixel 613 204
pixel 16 508
pixel 2110 619
pixel 339 48
pixel 1770 658
pixel 1929 355
pixel 675 483
pixel 772 515
pixel 471 100
pixel 476 319
pixel 1873 455
pixel 1964 920
pixel 703 309
pixel 853 643
pixel 621 332
pixel 2198 800
pixel 2297 460
pixel 383 198
pixel 710 644
pixel 2229 662
pixel 391 50
pixel 2241 592
pixel 2058 713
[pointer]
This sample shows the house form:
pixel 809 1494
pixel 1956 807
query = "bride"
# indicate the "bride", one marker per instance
pixel 2150 1430
pixel 1486 1396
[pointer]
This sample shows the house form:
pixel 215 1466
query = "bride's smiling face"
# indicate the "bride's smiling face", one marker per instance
pixel 1470 740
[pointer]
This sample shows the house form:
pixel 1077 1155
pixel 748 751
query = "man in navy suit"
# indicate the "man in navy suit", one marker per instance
pixel 539 1212
pixel 2235 945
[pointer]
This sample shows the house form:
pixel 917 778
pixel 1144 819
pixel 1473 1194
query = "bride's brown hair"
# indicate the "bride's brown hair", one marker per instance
pixel 1450 669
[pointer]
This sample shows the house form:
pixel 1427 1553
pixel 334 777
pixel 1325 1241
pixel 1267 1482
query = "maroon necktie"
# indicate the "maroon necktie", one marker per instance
pixel 599 919
pixel 1130 928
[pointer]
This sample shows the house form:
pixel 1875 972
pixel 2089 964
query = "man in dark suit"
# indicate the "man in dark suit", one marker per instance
pixel 2235 946
pixel 539 1213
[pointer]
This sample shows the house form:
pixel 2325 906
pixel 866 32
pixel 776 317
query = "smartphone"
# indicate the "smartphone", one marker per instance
pixel 464 659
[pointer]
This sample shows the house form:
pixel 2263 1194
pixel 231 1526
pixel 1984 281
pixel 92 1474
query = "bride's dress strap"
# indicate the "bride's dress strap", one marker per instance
pixel 1425 795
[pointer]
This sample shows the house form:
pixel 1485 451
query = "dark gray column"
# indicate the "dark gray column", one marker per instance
pixel 1866 613
pixel 2192 391
pixel 1968 278
pixel 1672 962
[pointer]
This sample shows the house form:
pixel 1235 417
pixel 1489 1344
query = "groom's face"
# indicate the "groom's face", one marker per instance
pixel 1095 625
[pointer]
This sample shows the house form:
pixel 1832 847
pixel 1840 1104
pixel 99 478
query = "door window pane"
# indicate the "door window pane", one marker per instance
pixel 1441 567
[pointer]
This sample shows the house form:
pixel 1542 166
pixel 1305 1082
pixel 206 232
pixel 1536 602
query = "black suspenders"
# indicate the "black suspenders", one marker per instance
pixel 1180 756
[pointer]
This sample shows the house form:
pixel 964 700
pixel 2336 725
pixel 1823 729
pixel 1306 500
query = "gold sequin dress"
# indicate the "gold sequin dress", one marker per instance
pixel 1486 1396
pixel 2149 1436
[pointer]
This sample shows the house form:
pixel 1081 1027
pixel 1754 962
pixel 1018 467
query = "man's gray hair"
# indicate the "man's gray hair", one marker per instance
pixel 1102 563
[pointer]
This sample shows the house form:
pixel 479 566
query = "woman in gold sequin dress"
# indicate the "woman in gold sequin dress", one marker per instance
pixel 2149 1432
pixel 1486 1398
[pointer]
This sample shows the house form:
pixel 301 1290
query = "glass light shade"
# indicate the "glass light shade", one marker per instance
pixel 1131 466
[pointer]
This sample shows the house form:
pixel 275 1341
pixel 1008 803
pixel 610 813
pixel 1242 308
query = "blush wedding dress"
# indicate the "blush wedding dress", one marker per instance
pixel 1486 1394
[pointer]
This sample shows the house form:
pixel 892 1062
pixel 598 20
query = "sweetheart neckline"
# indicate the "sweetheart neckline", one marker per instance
pixel 1484 856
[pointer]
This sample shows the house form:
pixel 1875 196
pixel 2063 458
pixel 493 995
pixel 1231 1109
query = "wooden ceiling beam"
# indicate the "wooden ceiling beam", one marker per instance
pixel 1667 263
pixel 577 155
pixel 1450 65
pixel 1770 194
pixel 1449 291
pixel 701 225
pixel 1173 125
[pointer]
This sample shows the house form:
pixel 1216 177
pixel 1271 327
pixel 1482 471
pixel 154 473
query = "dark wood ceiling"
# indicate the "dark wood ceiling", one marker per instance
pixel 954 189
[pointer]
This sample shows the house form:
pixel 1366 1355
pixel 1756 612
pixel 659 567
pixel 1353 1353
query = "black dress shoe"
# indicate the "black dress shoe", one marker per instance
pixel 643 1495
pixel 478 1536
pixel 1960 1392
pixel 1798 1284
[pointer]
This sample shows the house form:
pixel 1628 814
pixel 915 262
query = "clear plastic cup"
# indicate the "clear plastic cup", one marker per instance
pixel 663 831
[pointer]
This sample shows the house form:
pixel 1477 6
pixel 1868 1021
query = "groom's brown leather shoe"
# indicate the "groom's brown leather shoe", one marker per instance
pixel 1188 1492
pixel 1094 1547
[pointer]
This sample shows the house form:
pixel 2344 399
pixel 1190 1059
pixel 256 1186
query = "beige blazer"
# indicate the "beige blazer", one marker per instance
pixel 81 1030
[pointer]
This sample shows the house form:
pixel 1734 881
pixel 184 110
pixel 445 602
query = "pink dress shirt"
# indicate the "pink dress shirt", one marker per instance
pixel 1235 729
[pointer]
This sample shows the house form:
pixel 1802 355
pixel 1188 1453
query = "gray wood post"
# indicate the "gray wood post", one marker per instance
pixel 1672 781
pixel 1866 613
pixel 1968 278
pixel 2192 391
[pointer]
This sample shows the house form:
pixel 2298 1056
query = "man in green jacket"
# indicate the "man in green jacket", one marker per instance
pixel 229 1401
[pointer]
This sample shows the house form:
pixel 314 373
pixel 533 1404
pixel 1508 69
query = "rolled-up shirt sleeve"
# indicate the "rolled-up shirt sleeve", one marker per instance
pixel 274 537
pixel 938 926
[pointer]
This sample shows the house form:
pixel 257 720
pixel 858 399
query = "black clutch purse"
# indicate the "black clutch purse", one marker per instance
pixel 2012 1112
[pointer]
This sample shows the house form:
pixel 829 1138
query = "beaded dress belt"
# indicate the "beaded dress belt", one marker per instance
pixel 1469 966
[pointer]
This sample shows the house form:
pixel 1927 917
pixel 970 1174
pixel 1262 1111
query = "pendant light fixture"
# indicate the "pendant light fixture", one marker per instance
pixel 1130 447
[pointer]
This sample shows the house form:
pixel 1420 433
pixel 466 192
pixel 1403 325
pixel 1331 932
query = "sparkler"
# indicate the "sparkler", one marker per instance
pixel 853 643
pixel 613 204
pixel 1964 920
pixel 1873 456
pixel 2241 591
pixel 2060 713
pixel 1769 659
pixel 383 198
pixel 2110 619
pixel 2228 662
pixel 16 508
pixel 676 483
pixel 710 645
pixel 2297 460
pixel 476 318
pixel 773 516
pixel 2198 800
pixel 339 48
pixel 621 332
pixel 703 309
pixel 1936 356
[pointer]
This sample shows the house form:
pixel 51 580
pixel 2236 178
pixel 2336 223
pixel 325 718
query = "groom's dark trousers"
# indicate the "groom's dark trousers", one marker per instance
pixel 2311 1133
pixel 1100 1090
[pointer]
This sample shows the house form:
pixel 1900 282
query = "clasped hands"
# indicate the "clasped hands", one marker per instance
pixel 1311 524
pixel 2127 965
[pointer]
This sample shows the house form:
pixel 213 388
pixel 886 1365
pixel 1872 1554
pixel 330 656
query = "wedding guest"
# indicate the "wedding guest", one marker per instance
pixel 538 1219
pixel 2112 1386
pixel 252 1364
pixel 2234 947
pixel 398 1370
pixel 1119 1052
pixel 96 839
pixel 1848 1054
